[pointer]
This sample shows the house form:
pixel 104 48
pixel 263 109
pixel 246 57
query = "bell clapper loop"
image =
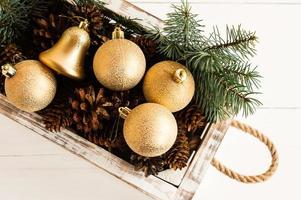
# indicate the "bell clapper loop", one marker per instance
pixel 124 112
pixel 118 33
pixel 180 75
pixel 8 70
pixel 83 24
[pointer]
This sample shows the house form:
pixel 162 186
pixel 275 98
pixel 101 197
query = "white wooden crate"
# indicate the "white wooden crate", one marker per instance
pixel 169 184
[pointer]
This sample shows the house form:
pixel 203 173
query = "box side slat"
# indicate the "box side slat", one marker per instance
pixel 121 169
pixel 131 11
pixel 202 159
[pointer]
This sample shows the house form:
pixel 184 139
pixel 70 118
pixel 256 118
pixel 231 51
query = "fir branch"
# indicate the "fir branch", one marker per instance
pixel 221 96
pixel 238 41
pixel 244 73
pixel 169 48
pixel 130 25
pixel 15 17
pixel 181 20
pixel 182 33
pixel 225 81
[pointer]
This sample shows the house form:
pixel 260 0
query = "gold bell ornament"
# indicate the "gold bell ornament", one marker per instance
pixel 29 85
pixel 67 56
pixel 119 64
pixel 149 129
pixel 170 84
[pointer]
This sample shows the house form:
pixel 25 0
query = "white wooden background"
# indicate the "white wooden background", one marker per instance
pixel 32 168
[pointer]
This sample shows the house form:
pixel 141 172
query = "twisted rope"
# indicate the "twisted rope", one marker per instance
pixel 250 179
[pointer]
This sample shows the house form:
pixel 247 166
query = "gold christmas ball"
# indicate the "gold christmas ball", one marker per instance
pixel 29 85
pixel 149 129
pixel 170 84
pixel 119 64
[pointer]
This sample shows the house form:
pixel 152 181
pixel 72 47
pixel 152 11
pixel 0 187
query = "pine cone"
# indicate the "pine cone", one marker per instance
pixel 150 166
pixel 48 30
pixel 10 54
pixel 56 116
pixel 147 45
pixel 103 141
pixel 192 119
pixel 127 99
pixel 194 143
pixel 178 156
pixel 89 110
pixel 95 18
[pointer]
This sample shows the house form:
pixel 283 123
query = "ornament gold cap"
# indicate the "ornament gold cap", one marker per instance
pixel 8 70
pixel 180 75
pixel 118 33
pixel 124 112
pixel 84 24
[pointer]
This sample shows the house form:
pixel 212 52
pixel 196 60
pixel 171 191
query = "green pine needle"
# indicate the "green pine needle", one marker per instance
pixel 238 43
pixel 16 15
pixel 225 80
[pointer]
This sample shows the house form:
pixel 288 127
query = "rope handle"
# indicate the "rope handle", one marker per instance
pixel 250 179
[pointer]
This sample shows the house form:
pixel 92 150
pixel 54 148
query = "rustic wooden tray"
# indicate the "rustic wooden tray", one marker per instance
pixel 169 185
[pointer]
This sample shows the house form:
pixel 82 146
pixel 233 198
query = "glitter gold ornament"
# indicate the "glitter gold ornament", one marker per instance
pixel 149 129
pixel 170 84
pixel 29 85
pixel 119 64
pixel 67 56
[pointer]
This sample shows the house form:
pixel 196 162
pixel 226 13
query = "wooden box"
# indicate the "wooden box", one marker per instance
pixel 168 185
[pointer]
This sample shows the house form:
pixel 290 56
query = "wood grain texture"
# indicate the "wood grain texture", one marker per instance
pixel 92 153
pixel 153 186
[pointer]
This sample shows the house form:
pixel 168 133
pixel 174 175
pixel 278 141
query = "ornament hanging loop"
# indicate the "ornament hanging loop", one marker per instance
pixel 124 112
pixel 84 24
pixel 180 75
pixel 118 33
pixel 8 70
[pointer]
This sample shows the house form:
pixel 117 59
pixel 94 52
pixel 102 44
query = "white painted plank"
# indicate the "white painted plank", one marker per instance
pixel 278 49
pixel 27 144
pixel 31 171
pixel 97 156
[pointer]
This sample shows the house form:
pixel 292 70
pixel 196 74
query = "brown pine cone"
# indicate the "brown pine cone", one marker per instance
pixel 127 99
pixel 48 30
pixel 192 119
pixel 150 166
pixel 194 143
pixel 95 19
pixel 147 45
pixel 89 110
pixel 56 116
pixel 10 54
pixel 103 141
pixel 178 156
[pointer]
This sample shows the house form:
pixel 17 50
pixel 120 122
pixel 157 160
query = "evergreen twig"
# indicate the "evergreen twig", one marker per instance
pixel 16 15
pixel 238 42
pixel 225 80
